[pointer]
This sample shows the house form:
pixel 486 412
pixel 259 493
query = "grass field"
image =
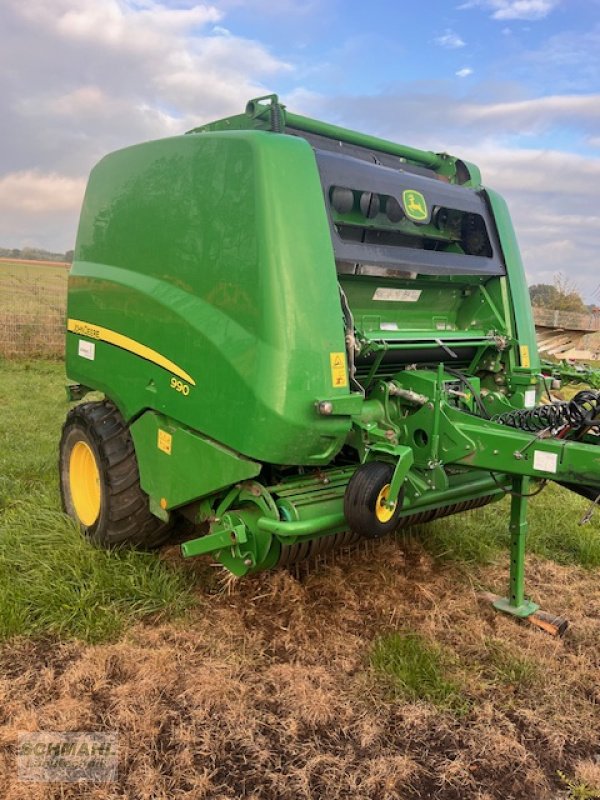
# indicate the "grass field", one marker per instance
pixel 40 272
pixel 99 592
pixel 376 674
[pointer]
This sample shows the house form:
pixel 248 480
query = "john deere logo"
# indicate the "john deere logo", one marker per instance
pixel 415 206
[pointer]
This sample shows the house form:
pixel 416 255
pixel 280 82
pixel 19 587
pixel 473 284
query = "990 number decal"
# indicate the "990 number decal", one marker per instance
pixel 180 386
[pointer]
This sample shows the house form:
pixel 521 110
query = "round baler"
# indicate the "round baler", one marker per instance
pixel 303 335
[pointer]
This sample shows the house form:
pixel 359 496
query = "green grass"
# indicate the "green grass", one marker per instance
pixel 578 790
pixel 51 579
pixel 414 669
pixel 478 537
pixel 508 667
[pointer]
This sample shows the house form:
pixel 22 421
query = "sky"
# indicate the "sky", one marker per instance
pixel 511 85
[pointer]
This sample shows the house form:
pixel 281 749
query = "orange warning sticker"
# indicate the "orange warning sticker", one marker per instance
pixel 525 360
pixel 165 441
pixel 339 374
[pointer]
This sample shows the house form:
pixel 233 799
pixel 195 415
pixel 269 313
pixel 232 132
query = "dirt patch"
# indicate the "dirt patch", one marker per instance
pixel 265 691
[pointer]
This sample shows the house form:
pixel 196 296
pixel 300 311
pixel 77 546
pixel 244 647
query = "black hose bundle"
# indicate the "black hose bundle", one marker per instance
pixel 583 411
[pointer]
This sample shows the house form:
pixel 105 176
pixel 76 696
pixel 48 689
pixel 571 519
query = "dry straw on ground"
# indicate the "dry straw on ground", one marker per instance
pixel 265 691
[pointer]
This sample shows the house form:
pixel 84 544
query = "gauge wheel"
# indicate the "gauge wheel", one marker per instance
pixel 365 501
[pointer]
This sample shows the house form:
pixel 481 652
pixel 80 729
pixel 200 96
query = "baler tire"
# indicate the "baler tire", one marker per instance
pixel 364 494
pixel 114 507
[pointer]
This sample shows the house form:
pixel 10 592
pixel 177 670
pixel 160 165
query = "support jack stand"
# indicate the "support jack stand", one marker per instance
pixel 516 603
pixel 529 612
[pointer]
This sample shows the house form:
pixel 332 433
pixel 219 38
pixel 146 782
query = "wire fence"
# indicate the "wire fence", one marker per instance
pixel 32 317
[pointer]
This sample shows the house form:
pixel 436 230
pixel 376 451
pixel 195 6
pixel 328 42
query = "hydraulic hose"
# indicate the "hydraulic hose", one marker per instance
pixel 580 412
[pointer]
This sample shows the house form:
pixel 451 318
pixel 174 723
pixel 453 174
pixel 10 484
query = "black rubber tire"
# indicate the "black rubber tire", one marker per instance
pixel 361 496
pixel 124 518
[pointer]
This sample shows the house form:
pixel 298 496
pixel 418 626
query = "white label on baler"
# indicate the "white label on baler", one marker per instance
pixel 545 462
pixel 87 349
pixel 530 398
pixel 397 295
pixel 388 326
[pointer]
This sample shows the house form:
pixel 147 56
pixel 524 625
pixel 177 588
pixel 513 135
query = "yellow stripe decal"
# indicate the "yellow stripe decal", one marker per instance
pixel 125 343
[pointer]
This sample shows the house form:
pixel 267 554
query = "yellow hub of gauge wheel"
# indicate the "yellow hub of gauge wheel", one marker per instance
pixel 84 481
pixel 383 513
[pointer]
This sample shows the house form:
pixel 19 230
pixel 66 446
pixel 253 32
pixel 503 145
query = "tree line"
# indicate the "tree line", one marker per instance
pixel 35 254
pixel 562 295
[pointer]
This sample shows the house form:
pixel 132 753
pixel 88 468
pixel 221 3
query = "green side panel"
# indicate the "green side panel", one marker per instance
pixel 519 291
pixel 181 466
pixel 214 251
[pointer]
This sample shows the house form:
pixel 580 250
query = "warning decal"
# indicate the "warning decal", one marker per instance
pixel 165 441
pixel 530 398
pixel 545 462
pixel 525 359
pixel 339 374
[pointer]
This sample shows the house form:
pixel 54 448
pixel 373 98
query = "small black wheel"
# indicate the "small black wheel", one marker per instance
pixel 365 498
pixel 100 481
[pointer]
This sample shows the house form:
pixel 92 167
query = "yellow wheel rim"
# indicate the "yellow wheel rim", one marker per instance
pixel 84 481
pixel 382 512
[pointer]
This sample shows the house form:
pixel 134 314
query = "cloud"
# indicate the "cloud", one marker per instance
pixel 114 23
pixel 297 8
pixel 538 114
pixel 569 61
pixel 79 78
pixel 422 111
pixel 571 177
pixel 450 40
pixel 515 9
pixel 34 205
pixel 81 102
pixel 464 72
pixel 135 51
pixel 35 192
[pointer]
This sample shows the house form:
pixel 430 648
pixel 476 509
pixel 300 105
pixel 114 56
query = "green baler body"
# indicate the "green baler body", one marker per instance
pixel 250 326
pixel 214 251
